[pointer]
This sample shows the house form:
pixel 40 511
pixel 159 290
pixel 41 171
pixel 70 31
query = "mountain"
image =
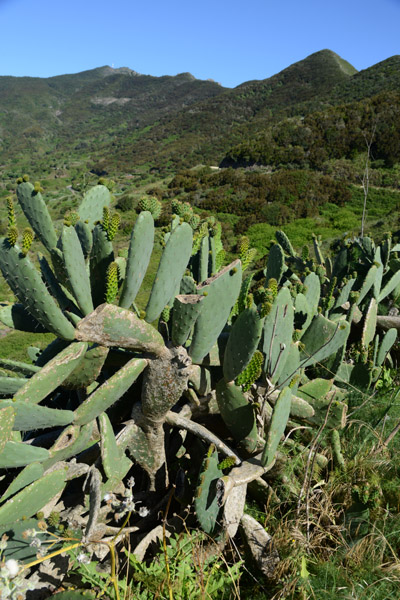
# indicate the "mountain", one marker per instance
pixel 82 109
pixel 115 119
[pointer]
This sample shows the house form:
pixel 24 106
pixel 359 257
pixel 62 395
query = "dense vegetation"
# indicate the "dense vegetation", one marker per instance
pixel 300 152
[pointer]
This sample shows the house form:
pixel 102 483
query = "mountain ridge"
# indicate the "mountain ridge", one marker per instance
pixel 119 116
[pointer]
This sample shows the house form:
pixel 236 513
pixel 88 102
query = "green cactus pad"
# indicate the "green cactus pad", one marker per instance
pixel 29 416
pixel 284 241
pixel 74 261
pixel 88 369
pixel 7 418
pixel 275 264
pixel 71 442
pixel 111 325
pixel 108 393
pixel 344 293
pixel 278 332
pixel 386 344
pixel 242 342
pixel 116 465
pixel 340 265
pixel 368 283
pixel 17 317
pixel 37 214
pixel 29 474
pixel 52 374
pixel 290 368
pixel 277 426
pixel 391 285
pixel 18 454
pixel 369 324
pixel 27 285
pixel 32 498
pixel 222 291
pixel 100 258
pixel 140 249
pixel 206 501
pixel 303 313
pixel 322 339
pixel 238 414
pixel 312 291
pixel 171 268
pixel 91 208
pixel 10 385
pixel 203 258
pixel 85 236
pixel 186 310
pixel 18 367
pixel 187 286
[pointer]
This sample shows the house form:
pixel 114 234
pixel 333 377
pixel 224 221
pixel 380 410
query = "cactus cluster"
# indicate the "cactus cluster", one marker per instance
pixel 262 354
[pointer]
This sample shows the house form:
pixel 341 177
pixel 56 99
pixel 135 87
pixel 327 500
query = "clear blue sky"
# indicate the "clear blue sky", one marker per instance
pixel 229 41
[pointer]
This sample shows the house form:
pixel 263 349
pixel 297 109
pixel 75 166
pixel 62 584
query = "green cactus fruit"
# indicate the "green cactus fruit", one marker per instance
pixel 252 372
pixel 171 268
pixel 206 502
pixel 12 235
pixel 165 314
pixel 106 219
pixel 113 226
pixel 194 222
pixel 33 497
pixel 238 414
pixel 140 249
pixel 101 256
pixel 243 341
pixel 112 282
pixel 222 292
pixel 91 208
pixel 28 475
pixel 242 246
pixel 11 213
pixel 277 426
pixel 27 239
pixel 52 374
pixel 37 214
pixel 284 241
pixel 37 187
